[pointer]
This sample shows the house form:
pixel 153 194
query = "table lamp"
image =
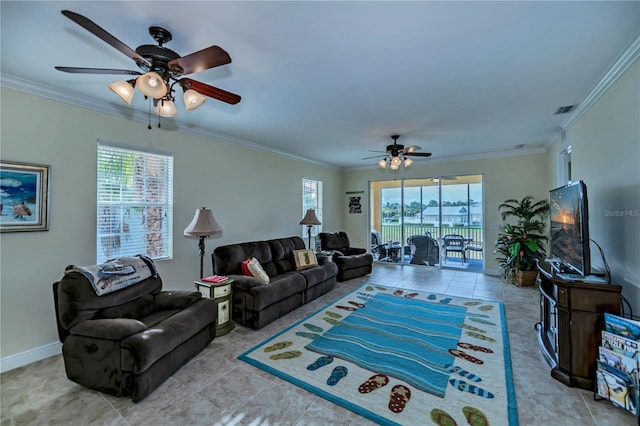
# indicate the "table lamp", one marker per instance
pixel 202 226
pixel 310 219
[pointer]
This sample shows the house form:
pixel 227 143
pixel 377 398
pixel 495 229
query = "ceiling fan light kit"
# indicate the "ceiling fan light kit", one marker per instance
pixel 192 99
pixel 166 108
pixel 162 69
pixel 397 155
pixel 152 85
pixel 124 89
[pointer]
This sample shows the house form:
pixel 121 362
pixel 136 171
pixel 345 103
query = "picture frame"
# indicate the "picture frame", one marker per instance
pixel 24 197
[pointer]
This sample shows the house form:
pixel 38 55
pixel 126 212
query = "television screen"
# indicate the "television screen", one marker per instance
pixel 570 227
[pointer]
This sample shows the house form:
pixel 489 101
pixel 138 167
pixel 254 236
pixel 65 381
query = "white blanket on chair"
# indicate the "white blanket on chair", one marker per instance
pixel 116 274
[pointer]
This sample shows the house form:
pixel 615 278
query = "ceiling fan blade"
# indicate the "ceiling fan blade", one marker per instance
pixel 201 60
pixel 212 92
pixel 102 34
pixel 375 156
pixel 76 70
pixel 411 149
pixel 418 154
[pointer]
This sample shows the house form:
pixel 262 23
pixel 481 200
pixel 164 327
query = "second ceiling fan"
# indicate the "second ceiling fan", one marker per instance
pixel 396 155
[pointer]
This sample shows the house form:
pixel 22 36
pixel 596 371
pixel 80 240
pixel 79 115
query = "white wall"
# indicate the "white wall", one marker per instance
pixel 503 178
pixel 605 143
pixel 253 196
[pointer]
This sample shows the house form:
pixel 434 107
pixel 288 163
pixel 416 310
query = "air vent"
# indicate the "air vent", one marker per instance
pixel 564 109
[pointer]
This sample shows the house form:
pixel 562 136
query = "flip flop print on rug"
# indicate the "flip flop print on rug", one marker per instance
pixel 320 362
pixel 356 304
pixel 464 373
pixel 442 418
pixel 479 336
pixel 331 321
pixel 410 295
pixel 313 327
pixel 337 374
pixel 465 356
pixel 374 382
pixel 286 355
pixel 346 308
pixel 474 416
pixel 278 346
pixel 463 386
pixel 400 396
pixel 486 307
pixel 308 335
pixel 465 345
pixel 333 314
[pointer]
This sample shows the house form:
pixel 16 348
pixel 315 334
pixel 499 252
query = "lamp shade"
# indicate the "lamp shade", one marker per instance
pixel 124 89
pixel 310 218
pixel 192 99
pixel 166 108
pixel 203 225
pixel 152 85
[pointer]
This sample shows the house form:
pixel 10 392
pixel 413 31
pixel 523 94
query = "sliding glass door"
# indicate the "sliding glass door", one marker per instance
pixel 413 220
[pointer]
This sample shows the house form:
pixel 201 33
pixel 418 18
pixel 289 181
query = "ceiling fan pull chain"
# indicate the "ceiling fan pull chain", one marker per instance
pixel 149 126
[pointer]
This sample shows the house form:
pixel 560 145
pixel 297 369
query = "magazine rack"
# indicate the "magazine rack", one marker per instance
pixel 618 366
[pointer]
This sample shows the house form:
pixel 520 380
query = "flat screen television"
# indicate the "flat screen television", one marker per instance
pixel 569 213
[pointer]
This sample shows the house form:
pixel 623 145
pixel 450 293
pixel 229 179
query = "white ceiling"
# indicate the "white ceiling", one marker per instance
pixel 328 81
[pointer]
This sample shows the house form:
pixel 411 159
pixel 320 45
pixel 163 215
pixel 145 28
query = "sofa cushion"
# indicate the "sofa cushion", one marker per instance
pixel 141 350
pixel 257 271
pixel 245 267
pixel 304 259
pixel 281 287
pixel 78 302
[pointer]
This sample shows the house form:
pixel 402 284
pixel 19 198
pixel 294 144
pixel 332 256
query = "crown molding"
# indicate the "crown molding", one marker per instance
pixel 624 61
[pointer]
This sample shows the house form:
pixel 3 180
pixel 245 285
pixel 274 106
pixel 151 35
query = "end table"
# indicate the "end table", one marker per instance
pixel 222 293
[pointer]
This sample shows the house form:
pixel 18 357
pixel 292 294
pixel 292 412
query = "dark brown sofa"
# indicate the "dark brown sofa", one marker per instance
pixel 128 342
pixel 255 304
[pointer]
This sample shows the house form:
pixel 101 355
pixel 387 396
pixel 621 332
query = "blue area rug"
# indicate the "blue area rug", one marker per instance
pixel 400 357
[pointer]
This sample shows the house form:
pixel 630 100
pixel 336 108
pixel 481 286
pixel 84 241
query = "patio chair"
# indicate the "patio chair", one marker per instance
pixel 453 243
pixel 474 246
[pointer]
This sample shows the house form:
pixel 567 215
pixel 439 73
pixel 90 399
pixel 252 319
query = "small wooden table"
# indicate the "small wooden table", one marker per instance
pixel 222 293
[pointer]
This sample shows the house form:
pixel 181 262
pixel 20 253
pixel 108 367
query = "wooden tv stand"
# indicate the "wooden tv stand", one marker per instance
pixel 571 319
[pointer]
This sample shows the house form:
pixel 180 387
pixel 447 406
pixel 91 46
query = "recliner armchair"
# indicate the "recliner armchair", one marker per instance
pixel 128 342
pixel 352 262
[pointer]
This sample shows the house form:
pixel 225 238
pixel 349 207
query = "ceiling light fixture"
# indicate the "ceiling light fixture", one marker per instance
pixel 397 155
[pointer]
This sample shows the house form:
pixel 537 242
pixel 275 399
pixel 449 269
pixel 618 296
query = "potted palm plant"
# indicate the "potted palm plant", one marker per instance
pixel 521 244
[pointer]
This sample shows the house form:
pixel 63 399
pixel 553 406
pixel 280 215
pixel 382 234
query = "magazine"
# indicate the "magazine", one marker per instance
pixel 624 327
pixel 620 344
pixel 621 362
pixel 616 386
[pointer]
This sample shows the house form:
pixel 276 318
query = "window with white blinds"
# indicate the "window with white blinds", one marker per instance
pixel 134 204
pixel 312 199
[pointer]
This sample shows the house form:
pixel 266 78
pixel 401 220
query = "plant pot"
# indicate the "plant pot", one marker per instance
pixel 525 278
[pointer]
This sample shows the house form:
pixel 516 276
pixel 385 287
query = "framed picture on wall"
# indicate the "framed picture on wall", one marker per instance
pixel 24 197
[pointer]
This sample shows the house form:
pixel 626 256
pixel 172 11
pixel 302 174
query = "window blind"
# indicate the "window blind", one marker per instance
pixel 312 199
pixel 134 204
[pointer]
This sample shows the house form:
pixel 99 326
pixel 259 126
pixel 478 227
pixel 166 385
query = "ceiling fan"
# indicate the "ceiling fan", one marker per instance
pixel 162 69
pixel 397 154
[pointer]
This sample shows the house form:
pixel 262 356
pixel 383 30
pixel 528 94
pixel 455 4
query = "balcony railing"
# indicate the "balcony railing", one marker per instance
pixel 393 232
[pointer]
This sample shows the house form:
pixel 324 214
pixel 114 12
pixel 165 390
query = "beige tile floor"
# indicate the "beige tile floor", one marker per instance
pixel 216 389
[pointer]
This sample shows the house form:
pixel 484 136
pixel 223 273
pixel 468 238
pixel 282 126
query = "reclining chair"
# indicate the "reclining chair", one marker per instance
pixel 424 250
pixel 352 262
pixel 128 342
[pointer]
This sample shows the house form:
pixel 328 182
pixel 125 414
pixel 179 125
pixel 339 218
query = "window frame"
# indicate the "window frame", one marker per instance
pixel 312 199
pixel 134 203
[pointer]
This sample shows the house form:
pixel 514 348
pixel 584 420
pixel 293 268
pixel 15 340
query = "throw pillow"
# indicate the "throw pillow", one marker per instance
pixel 304 259
pixel 245 267
pixel 256 270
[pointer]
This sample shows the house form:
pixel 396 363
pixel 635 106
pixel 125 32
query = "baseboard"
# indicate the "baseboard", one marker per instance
pixel 27 357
